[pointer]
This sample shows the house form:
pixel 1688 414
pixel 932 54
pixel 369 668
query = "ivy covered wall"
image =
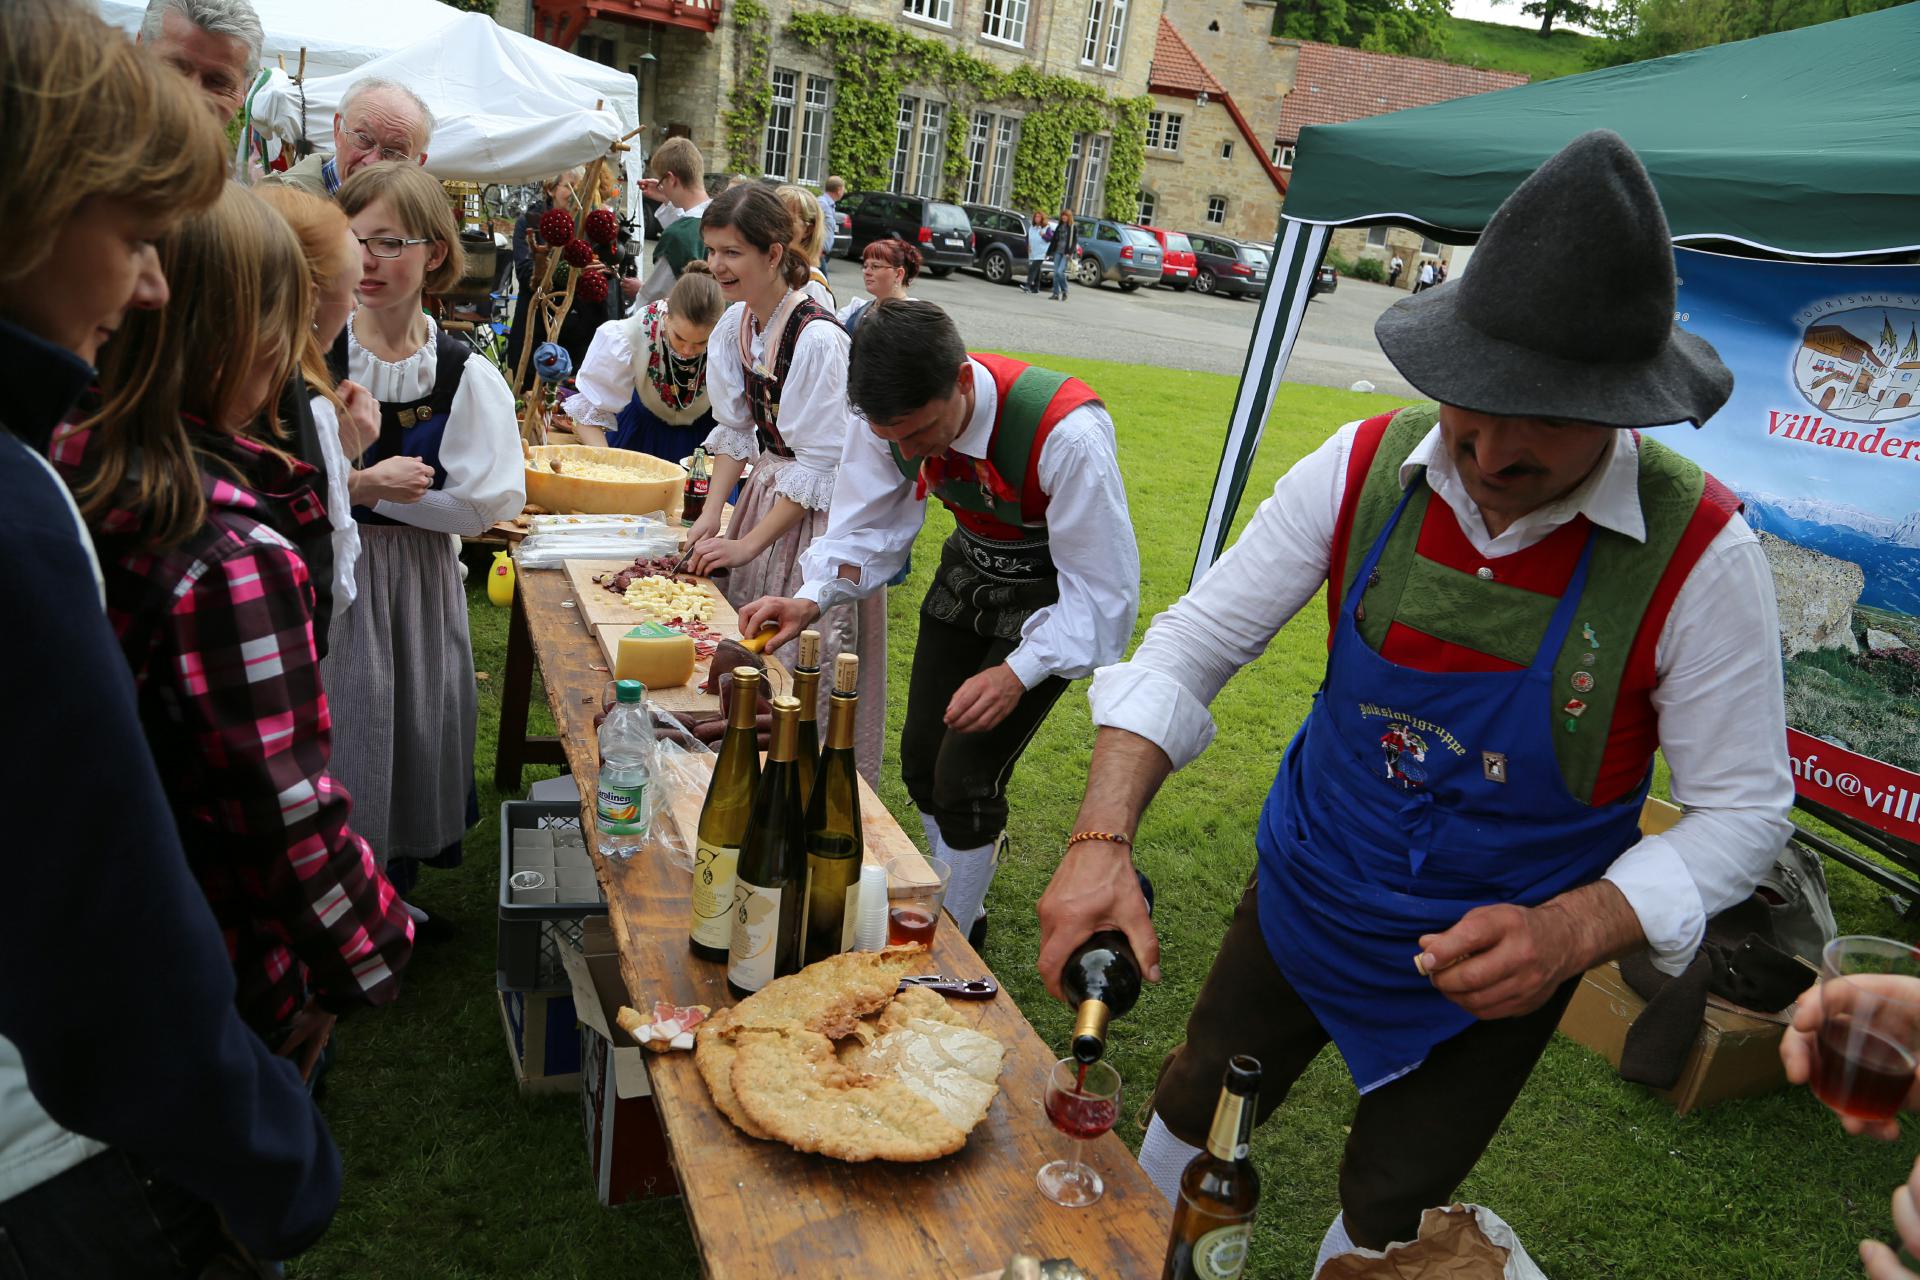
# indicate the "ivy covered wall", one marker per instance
pixel 874 63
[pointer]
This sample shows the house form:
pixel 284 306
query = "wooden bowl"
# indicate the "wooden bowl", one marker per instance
pixel 654 486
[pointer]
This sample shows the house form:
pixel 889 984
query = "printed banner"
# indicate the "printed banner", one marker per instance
pixel 1821 440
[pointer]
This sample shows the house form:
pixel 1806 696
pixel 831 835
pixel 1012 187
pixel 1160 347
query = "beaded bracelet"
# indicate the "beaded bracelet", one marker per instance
pixel 1081 837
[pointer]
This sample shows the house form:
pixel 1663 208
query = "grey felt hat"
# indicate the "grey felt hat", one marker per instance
pixel 1567 309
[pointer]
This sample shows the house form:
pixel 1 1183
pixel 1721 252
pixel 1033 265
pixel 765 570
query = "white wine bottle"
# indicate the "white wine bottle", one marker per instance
pixel 723 820
pixel 770 889
pixel 806 687
pixel 1220 1189
pixel 834 844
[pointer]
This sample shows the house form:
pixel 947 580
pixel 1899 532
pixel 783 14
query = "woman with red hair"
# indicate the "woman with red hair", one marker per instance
pixel 886 269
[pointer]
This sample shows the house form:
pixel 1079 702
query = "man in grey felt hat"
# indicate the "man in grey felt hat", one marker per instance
pixel 1527 599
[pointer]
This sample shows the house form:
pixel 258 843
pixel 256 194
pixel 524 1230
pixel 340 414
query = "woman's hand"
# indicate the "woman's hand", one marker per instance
pixel 392 479
pixel 360 425
pixel 1800 1048
pixel 706 526
pixel 719 553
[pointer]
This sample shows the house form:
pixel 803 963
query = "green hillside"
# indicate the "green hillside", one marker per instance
pixel 1501 48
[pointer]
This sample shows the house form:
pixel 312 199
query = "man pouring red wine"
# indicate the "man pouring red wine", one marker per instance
pixel 1527 598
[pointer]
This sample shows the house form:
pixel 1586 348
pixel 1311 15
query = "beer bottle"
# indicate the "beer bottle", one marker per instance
pixel 1213 1224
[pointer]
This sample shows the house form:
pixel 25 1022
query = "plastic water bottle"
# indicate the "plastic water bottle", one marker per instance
pixel 623 803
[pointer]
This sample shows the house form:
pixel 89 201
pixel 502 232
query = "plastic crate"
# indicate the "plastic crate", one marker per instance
pixel 532 932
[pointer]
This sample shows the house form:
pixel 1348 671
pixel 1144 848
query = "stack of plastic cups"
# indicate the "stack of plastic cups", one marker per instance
pixel 870 924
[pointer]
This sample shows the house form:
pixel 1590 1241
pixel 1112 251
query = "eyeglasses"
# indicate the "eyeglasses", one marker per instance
pixel 388 246
pixel 367 142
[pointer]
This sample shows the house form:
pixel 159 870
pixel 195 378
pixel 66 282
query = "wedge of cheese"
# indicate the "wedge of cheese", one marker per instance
pixel 658 657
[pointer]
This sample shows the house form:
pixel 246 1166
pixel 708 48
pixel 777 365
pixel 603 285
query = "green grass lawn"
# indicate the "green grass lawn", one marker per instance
pixel 451 1174
pixel 1498 47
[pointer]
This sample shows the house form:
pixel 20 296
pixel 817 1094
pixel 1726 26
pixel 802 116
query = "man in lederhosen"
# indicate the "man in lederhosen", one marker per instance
pixel 1038 585
pixel 1526 602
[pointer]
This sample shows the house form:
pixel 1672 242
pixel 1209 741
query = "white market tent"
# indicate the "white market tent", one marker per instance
pixel 509 108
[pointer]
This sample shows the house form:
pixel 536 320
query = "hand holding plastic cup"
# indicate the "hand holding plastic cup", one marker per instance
pixel 1865 1048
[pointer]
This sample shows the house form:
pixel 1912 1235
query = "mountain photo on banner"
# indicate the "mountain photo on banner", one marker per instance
pixel 1821 441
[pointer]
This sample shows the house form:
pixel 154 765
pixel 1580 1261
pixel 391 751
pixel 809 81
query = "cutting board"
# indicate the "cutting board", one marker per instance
pixel 609 618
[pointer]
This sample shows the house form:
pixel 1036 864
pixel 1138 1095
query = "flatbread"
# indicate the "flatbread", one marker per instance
pixel 955 1068
pixel 792 1086
pixel 713 1055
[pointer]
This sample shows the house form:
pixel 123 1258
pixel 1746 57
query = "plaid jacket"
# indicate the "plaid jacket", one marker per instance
pixel 219 634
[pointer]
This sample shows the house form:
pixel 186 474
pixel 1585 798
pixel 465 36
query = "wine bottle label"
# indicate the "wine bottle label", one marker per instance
pixel 1221 1253
pixel 756 919
pixel 852 916
pixel 713 867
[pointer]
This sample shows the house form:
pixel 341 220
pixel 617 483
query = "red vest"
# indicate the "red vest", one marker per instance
pixel 1543 568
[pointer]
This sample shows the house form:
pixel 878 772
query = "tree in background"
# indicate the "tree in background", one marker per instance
pixel 1635 30
pixel 1416 27
pixel 1582 13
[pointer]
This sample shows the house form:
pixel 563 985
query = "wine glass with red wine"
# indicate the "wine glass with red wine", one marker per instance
pixel 1083 1101
pixel 1869 1044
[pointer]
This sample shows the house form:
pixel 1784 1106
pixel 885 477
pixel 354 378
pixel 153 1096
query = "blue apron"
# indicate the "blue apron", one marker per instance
pixel 1407 799
pixel 642 430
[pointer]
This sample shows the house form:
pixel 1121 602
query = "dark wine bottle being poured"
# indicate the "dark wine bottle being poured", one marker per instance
pixel 1102 982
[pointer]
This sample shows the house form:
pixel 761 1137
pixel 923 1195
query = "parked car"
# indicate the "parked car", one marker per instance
pixel 842 233
pixel 1176 258
pixel 942 230
pixel 1000 244
pixel 1228 267
pixel 1127 255
pixel 1325 280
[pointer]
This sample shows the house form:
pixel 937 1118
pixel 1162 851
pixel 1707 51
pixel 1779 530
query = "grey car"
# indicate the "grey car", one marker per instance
pixel 1127 255
pixel 1229 268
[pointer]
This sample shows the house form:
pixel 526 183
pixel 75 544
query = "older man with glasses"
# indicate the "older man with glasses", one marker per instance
pixel 378 120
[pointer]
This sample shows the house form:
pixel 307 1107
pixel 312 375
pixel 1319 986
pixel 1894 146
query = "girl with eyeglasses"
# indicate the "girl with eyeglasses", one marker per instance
pixel 401 667
pixel 205 528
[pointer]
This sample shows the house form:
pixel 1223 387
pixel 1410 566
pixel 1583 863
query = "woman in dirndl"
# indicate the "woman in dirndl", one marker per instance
pixel 643 385
pixel 777 374
pixel 401 667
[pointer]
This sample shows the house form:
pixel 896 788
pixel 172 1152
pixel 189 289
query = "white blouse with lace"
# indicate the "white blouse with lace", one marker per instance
pixel 814 418
pixel 480 449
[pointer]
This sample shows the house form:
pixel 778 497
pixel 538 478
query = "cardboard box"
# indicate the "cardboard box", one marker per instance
pixel 543 1039
pixel 626 1147
pixel 1737 1055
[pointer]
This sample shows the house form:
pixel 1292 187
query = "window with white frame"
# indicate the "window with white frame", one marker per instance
pixel 1093 194
pixel 1217 210
pixel 1116 32
pixel 940 11
pixel 1096 19
pixel 1004 20
pixel 776 156
pixel 1226 150
pixel 933 129
pixel 1282 155
pixel 1377 235
pixel 1147 206
pixel 1001 189
pixel 1071 198
pixel 1170 137
pixel 903 142
pixel 1153 128
pixel 813 131
pixel 979 143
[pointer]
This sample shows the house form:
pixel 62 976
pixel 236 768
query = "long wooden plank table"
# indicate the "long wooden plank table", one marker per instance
pixel 761 1209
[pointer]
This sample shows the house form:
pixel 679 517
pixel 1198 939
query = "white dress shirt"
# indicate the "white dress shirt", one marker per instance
pixel 814 418
pixel 1722 719
pixel 480 449
pixel 346 530
pixel 1089 531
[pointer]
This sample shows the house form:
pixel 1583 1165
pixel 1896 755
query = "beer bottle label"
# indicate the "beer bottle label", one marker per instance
pixel 1222 1252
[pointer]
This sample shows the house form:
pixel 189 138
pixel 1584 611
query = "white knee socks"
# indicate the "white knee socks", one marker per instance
pixel 972 877
pixel 1337 1242
pixel 1164 1158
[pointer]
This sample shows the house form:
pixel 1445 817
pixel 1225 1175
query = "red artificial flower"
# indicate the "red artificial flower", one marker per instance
pixel 578 254
pixel 556 226
pixel 602 226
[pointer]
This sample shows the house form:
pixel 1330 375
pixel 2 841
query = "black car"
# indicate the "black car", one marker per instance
pixel 941 230
pixel 1000 243
pixel 1325 280
pixel 1228 267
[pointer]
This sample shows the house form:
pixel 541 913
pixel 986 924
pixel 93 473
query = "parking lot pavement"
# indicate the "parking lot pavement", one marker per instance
pixel 1159 327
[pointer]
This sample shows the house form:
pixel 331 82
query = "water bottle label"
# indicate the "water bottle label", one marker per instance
pixel 713 867
pixel 1221 1253
pixel 756 921
pixel 621 807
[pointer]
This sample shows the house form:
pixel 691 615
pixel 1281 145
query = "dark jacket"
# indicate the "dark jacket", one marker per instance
pixel 1063 238
pixel 118 929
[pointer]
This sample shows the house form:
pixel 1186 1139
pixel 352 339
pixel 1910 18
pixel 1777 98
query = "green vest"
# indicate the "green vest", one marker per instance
pixel 680 243
pixel 1507 622
pixel 1016 431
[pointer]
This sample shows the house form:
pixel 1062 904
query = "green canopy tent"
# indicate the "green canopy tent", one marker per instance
pixel 1805 143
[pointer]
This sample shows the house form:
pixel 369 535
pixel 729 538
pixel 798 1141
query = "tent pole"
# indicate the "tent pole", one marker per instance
pixel 1296 256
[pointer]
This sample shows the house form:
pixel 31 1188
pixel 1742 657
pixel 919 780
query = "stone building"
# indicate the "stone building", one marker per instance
pixel 1206 168
pixel 695 47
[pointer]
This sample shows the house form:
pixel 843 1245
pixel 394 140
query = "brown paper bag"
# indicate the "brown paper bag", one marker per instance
pixel 1451 1246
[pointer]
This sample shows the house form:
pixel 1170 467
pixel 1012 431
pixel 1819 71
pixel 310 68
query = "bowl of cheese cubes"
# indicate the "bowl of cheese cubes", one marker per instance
pixel 581 478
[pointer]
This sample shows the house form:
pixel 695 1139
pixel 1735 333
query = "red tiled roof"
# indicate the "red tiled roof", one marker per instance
pixel 1177 69
pixel 1333 85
